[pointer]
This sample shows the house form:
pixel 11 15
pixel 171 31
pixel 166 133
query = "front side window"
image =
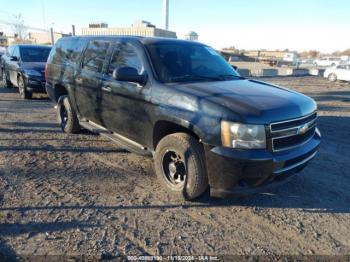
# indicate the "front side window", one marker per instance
pixel 34 54
pixel 9 50
pixel 182 61
pixel 95 55
pixel 125 55
pixel 16 52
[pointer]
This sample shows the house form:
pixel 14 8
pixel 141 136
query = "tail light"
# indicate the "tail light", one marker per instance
pixel 46 72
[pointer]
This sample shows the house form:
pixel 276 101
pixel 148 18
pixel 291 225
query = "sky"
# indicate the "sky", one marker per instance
pixel 298 25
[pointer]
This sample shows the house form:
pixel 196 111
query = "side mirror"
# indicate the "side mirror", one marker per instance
pixel 14 58
pixel 129 74
pixel 235 67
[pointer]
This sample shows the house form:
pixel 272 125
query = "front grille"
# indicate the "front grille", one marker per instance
pixel 292 133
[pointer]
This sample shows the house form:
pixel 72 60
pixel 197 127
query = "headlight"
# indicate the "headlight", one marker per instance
pixel 243 136
pixel 31 72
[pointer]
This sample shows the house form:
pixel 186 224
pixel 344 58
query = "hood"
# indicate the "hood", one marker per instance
pixel 249 101
pixel 37 66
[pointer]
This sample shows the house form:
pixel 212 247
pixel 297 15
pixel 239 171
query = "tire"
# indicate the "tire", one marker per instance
pixel 22 89
pixel 180 165
pixel 332 77
pixel 6 83
pixel 67 118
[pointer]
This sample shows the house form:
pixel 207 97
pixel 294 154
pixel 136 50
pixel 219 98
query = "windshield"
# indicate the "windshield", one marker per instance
pixel 184 62
pixel 34 54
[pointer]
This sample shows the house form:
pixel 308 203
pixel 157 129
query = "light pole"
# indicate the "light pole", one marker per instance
pixel 166 14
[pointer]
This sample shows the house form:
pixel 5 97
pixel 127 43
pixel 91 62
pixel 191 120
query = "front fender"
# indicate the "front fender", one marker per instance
pixel 206 127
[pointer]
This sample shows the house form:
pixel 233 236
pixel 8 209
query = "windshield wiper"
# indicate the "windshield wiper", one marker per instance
pixel 233 76
pixel 194 77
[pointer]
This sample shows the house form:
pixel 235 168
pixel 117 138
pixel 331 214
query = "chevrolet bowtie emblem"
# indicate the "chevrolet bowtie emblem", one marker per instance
pixel 303 129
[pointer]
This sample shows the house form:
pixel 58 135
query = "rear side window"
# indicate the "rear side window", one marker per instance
pixel 95 55
pixel 67 50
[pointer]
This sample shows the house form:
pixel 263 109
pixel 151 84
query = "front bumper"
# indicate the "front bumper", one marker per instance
pixel 233 172
pixel 35 84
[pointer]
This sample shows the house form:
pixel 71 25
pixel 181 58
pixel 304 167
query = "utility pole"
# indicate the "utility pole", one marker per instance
pixel 166 14
pixel 52 37
pixel 73 30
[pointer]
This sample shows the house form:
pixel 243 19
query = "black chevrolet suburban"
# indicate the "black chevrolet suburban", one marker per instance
pixel 182 103
pixel 23 66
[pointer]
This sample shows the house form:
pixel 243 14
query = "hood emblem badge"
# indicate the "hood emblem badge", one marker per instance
pixel 303 129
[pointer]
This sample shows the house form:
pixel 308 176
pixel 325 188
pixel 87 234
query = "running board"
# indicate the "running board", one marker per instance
pixel 116 138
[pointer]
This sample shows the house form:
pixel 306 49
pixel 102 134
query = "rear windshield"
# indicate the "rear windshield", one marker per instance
pixel 34 54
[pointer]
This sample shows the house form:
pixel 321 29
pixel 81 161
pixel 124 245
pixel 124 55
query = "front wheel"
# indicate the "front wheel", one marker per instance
pixel 180 165
pixel 67 117
pixel 4 79
pixel 25 94
pixel 332 77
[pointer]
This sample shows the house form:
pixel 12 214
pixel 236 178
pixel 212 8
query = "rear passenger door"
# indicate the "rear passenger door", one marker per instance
pixel 88 80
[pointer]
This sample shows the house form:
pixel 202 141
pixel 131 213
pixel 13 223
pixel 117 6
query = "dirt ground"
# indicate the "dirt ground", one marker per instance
pixel 83 195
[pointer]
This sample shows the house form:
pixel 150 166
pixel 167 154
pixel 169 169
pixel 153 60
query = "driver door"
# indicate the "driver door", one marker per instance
pixel 13 66
pixel 124 104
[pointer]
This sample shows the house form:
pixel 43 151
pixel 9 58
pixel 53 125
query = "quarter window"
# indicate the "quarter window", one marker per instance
pixel 95 55
pixel 67 50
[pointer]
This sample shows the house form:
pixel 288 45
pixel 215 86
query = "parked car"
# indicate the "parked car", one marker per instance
pixel 23 66
pixel 341 72
pixel 307 61
pixel 182 103
pixel 327 61
pixel 2 51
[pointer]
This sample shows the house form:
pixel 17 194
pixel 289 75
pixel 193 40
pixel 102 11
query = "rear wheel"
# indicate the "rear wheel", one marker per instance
pixel 180 165
pixel 25 94
pixel 67 117
pixel 332 77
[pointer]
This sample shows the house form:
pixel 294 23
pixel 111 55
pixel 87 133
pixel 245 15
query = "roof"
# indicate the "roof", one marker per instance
pixel 141 39
pixel 29 45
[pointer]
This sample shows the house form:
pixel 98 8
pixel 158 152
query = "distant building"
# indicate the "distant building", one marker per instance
pixel 266 54
pixel 139 28
pixel 7 40
pixel 98 25
pixel 193 36
pixel 44 38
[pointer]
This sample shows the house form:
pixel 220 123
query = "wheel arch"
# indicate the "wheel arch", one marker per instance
pixel 166 127
pixel 60 90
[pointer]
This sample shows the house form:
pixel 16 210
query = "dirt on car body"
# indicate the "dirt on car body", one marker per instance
pixel 83 195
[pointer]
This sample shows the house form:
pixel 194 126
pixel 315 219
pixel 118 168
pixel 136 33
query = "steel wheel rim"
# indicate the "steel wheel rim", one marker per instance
pixel 174 169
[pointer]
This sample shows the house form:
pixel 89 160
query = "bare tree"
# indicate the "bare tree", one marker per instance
pixel 18 27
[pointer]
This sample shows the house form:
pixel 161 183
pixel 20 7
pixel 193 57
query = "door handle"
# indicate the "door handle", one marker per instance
pixel 107 88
